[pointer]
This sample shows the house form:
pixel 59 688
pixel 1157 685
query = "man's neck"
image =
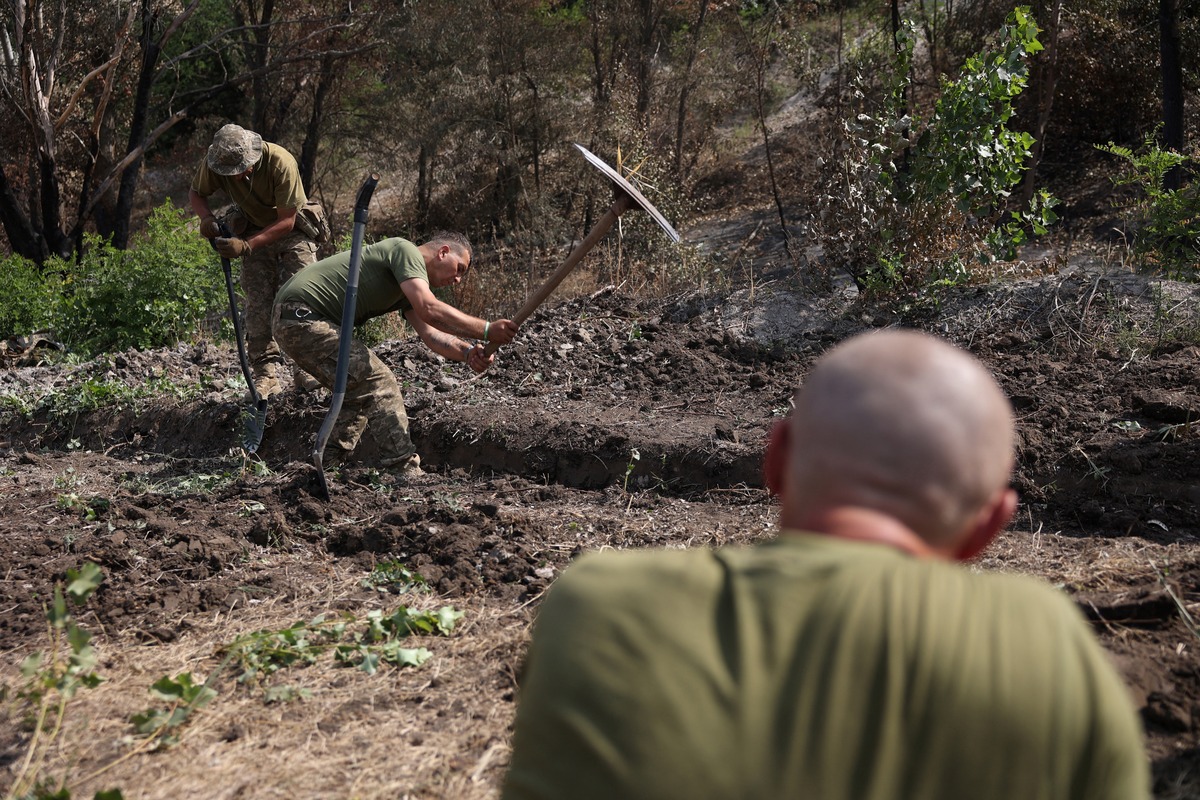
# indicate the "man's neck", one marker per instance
pixel 865 525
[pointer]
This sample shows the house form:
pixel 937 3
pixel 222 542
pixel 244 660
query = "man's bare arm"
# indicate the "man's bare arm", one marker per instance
pixel 284 222
pixel 199 204
pixel 440 342
pixel 442 316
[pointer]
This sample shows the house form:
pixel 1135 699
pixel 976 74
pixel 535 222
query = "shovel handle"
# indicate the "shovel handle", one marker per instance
pixel 346 332
pixel 227 268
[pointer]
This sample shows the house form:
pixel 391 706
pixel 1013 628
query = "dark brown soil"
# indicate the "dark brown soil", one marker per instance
pixel 614 422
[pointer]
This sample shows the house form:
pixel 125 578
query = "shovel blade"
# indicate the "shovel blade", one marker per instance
pixel 254 424
pixel 319 463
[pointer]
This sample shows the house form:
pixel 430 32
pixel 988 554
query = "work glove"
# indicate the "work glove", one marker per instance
pixel 233 248
pixel 209 227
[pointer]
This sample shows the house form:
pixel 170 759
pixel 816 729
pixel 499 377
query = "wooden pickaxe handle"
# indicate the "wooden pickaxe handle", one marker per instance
pixel 623 203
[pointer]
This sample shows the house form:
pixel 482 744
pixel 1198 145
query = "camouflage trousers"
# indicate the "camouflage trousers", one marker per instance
pixel 373 400
pixel 263 272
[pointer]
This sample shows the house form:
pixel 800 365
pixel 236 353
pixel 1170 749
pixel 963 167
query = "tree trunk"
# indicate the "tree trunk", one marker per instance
pixel 258 54
pixel 260 84
pixel 312 132
pixel 762 123
pixel 759 61
pixel 139 138
pixel 38 74
pixel 105 149
pixel 606 61
pixel 1045 79
pixel 841 41
pixel 508 171
pixel 934 30
pixel 102 136
pixel 906 157
pixel 1172 85
pixel 55 241
pixel 896 25
pixel 151 48
pixel 536 133
pixel 645 58
pixel 423 183
pixel 603 71
pixel 21 235
pixel 686 89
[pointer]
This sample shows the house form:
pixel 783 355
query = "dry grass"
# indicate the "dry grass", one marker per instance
pixel 1082 564
pixel 436 731
pixel 439 731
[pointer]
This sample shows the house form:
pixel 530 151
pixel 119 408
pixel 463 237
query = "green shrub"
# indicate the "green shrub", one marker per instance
pixel 156 293
pixel 27 297
pixel 909 198
pixel 1167 220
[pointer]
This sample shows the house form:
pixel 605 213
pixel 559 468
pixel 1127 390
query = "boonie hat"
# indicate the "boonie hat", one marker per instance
pixel 234 150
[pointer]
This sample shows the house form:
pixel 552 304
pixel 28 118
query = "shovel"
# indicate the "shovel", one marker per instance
pixel 627 196
pixel 346 333
pixel 254 418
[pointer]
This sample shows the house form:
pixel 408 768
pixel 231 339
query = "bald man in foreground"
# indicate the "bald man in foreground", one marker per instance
pixel 849 658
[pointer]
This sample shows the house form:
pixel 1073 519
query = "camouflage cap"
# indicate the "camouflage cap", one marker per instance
pixel 234 150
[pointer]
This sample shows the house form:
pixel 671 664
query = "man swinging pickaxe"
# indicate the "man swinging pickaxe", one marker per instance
pixel 314 318
pixel 309 307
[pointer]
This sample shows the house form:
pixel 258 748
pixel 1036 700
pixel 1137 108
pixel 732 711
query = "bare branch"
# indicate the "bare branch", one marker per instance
pixel 118 51
pixel 56 52
pixel 243 77
pixel 130 157
pixel 215 42
pixel 181 18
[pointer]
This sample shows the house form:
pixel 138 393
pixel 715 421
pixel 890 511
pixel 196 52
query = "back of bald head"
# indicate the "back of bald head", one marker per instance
pixel 904 424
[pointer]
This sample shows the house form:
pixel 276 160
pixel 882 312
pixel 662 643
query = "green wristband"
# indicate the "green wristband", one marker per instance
pixel 486 326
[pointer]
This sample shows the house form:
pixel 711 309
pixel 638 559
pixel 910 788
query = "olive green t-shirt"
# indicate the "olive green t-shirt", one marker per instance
pixel 274 184
pixel 383 266
pixel 815 667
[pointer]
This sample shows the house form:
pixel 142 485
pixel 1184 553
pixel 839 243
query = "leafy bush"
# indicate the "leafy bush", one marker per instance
pixel 163 289
pixel 909 198
pixel 152 295
pixel 1167 220
pixel 27 297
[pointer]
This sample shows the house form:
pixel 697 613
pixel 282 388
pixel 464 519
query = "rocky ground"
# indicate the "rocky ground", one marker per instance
pixel 612 422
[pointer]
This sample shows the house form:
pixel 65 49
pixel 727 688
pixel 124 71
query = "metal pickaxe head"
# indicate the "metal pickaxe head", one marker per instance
pixel 623 186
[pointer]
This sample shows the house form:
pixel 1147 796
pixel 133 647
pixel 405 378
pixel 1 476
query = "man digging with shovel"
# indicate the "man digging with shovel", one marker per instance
pixel 395 275
pixel 275 231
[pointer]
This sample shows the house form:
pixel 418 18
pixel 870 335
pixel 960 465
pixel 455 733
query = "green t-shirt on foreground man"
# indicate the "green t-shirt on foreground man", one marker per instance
pixel 849 659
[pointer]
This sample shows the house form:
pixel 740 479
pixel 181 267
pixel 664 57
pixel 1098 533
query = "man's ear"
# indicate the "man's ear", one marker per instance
pixel 777 455
pixel 992 519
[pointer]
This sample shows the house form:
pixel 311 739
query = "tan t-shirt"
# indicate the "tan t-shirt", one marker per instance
pixel 814 667
pixel 274 184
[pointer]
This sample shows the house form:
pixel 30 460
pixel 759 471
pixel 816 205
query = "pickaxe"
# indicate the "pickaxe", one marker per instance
pixel 627 197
